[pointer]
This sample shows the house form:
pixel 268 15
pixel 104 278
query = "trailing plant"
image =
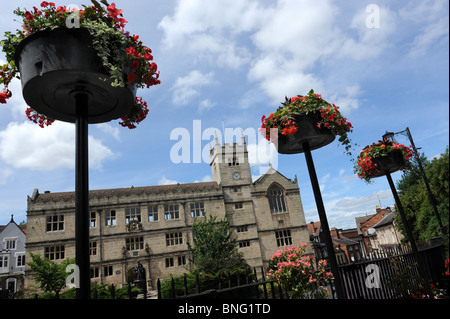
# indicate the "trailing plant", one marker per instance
pixel 127 61
pixel 282 121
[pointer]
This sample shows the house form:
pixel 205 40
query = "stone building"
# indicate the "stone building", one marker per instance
pixel 153 224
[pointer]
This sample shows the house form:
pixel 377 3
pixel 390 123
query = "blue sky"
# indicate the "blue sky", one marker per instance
pixel 226 63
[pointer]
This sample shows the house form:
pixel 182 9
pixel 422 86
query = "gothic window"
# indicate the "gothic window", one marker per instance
pixel 275 195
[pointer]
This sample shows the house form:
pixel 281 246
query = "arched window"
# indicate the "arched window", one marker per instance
pixel 277 203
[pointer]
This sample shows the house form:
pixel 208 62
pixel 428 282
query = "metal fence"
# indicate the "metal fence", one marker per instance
pixel 381 275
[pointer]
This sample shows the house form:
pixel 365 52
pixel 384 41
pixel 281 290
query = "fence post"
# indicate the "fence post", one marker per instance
pixel 264 285
pixel 185 285
pixel 113 291
pixel 172 293
pixel 158 288
pixel 246 276
pixel 256 280
pixel 197 282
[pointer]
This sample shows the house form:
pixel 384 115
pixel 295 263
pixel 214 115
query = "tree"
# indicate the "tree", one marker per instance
pixel 213 247
pixel 414 197
pixel 50 276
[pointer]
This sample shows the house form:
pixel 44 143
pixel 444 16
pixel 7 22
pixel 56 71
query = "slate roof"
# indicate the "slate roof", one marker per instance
pixel 388 219
pixel 105 193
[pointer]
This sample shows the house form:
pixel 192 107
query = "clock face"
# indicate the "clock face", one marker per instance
pixel 236 175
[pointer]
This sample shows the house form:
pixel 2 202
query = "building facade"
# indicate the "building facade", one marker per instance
pixel 387 238
pixel 12 257
pixel 153 224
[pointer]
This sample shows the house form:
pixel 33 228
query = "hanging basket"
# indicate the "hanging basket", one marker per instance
pixel 57 64
pixel 391 163
pixel 308 131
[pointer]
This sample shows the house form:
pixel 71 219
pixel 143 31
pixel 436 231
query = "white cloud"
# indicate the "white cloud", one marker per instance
pixel 25 145
pixel 205 105
pixel 109 129
pixel 361 204
pixel 207 29
pixel 431 34
pixel 5 173
pixel 165 181
pixel 187 87
pixel 206 178
pixel 347 98
pixel 369 42
pixel 279 78
pixel 280 43
pixel 261 155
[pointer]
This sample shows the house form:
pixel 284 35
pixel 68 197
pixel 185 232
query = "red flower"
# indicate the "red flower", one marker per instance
pixel 148 57
pixel 44 4
pixel 153 67
pixel 295 98
pixel 6 94
pixel 130 51
pixel 131 77
pixel 114 13
pixel 28 16
pixel 2 98
pixel 134 64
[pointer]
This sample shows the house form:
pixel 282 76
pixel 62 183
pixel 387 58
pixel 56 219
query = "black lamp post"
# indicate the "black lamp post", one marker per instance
pixel 309 138
pixel 390 135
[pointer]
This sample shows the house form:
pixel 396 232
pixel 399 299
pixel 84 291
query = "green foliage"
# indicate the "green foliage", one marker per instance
pixel 213 248
pixel 103 292
pixel 403 280
pixel 50 276
pixel 415 201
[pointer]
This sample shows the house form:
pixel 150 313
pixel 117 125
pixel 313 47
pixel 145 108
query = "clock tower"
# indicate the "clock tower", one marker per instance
pixel 229 163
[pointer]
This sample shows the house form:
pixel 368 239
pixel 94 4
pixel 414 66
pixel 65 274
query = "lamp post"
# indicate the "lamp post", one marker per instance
pixel 390 135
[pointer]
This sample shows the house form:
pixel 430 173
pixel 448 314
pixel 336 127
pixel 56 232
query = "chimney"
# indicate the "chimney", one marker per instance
pixel 334 233
pixel 378 209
